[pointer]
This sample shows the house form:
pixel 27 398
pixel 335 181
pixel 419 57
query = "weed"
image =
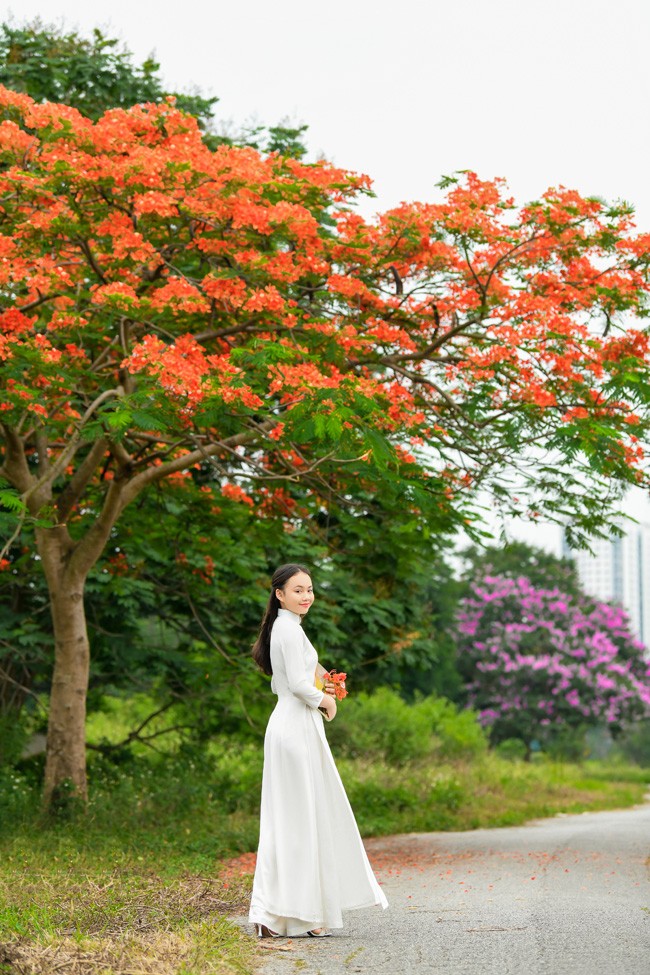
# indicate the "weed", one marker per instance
pixel 353 954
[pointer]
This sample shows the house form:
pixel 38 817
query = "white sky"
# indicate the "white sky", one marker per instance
pixel 539 91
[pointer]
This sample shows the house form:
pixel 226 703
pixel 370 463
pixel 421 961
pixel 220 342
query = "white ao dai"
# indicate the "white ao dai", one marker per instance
pixel 311 863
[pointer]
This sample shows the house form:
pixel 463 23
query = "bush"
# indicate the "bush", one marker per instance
pixel 14 734
pixel 458 732
pixel 18 796
pixel 513 749
pixel 567 744
pixel 634 745
pixel 237 776
pixel 382 725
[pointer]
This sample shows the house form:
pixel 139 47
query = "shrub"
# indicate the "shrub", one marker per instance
pixel 538 661
pixel 513 749
pixel 14 733
pixel 18 796
pixel 458 732
pixel 382 725
pixel 634 745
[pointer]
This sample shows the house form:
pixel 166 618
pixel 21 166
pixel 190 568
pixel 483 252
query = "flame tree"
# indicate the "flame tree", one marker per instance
pixel 165 306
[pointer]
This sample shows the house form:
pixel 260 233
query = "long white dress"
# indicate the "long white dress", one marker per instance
pixel 311 863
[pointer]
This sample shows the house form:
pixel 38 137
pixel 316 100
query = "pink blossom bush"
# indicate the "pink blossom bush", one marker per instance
pixel 538 661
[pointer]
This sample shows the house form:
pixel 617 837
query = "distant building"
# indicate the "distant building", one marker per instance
pixel 619 570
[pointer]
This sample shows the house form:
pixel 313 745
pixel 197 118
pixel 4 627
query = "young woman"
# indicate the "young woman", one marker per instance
pixel 311 863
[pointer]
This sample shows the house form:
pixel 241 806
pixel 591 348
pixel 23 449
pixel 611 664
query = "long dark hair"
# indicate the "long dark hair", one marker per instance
pixel 262 646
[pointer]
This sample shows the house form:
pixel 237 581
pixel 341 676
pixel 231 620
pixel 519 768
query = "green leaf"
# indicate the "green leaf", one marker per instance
pixel 319 425
pixel 149 421
pixel 382 454
pixel 12 501
pixel 119 419
pixel 334 426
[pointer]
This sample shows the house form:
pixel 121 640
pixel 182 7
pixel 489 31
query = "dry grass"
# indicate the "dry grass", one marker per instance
pixel 121 925
pixel 195 949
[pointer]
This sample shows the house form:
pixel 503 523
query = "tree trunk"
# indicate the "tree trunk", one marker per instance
pixel 65 767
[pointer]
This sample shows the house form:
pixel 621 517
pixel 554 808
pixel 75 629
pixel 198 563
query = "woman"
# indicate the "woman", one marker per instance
pixel 311 864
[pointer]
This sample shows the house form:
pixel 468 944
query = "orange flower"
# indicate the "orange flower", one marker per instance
pixel 338 679
pixel 236 493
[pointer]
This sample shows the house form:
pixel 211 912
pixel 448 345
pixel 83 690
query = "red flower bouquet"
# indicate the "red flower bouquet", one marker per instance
pixel 322 676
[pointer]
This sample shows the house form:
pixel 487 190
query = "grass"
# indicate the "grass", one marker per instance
pixel 486 792
pixel 87 918
pixel 137 885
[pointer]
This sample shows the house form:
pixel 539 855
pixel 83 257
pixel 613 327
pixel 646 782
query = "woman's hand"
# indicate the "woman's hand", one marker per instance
pixel 330 686
pixel 328 704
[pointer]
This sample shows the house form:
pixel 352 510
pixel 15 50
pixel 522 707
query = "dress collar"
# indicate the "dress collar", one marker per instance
pixel 294 616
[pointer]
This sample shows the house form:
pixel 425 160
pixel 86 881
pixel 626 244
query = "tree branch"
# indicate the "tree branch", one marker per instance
pixel 390 360
pixel 6 676
pixel 89 548
pixel 41 450
pixel 121 455
pixel 104 354
pixel 14 535
pixel 79 481
pixel 205 631
pixel 136 735
pixel 90 257
pixel 33 493
pixel 15 467
pixel 153 474
pixel 39 301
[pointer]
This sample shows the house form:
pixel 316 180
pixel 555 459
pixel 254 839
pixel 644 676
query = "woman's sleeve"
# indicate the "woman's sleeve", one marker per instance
pixel 294 664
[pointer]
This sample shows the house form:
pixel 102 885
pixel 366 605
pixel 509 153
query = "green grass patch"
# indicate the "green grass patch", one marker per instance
pixel 486 792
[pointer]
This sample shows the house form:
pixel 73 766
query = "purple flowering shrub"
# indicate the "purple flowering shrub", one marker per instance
pixel 538 661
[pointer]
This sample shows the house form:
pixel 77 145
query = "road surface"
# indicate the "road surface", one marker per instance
pixel 563 896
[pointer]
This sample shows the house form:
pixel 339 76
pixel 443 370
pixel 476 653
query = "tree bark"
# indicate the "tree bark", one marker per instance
pixel 65 767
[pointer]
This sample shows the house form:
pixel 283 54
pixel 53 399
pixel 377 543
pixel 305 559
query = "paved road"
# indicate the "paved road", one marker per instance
pixel 562 896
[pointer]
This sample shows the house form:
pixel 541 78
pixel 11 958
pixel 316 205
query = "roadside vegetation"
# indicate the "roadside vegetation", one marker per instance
pixel 150 878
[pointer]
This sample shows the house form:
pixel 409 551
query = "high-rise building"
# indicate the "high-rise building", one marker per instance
pixel 619 570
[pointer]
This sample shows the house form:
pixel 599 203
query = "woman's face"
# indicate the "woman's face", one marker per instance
pixel 297 595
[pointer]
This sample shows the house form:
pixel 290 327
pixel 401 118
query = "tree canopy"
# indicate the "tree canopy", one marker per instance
pixel 90 74
pixel 97 73
pixel 516 559
pixel 169 309
pixel 464 322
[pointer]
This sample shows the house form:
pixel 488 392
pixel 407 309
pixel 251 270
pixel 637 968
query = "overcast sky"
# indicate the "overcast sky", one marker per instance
pixel 539 92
